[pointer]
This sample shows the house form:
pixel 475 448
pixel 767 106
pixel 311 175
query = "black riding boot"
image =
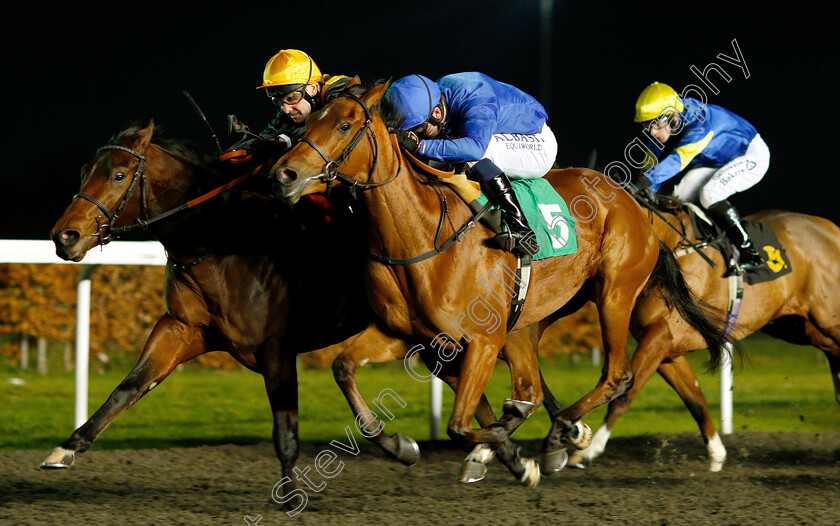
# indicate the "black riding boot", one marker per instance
pixel 496 185
pixel 728 218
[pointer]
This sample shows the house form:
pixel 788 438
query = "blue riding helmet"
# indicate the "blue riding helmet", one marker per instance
pixel 413 98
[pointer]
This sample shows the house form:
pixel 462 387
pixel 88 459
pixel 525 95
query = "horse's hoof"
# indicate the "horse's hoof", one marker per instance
pixel 472 471
pixel 577 460
pixel 554 461
pixel 59 458
pixel 531 477
pixel 581 437
pixel 408 452
pixel 717 453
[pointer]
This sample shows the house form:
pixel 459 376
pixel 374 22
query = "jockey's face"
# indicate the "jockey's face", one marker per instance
pixel 427 130
pixel 301 109
pixel 663 128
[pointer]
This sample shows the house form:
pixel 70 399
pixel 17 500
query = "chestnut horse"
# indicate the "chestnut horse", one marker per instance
pixel 442 302
pixel 236 282
pixel 798 307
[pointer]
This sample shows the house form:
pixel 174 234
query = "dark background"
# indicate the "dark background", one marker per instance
pixel 75 74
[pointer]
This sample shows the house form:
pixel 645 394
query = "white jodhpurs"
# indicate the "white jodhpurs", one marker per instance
pixel 713 184
pixel 525 156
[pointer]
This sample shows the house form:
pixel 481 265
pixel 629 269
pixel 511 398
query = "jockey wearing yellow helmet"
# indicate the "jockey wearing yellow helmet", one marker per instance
pixel 295 84
pixel 720 152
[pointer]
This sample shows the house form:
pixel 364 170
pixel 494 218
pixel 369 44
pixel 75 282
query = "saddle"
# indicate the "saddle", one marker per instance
pixel 709 234
pixel 469 191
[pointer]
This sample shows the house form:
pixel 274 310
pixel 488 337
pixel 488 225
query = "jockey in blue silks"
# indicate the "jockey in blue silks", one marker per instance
pixel 722 152
pixel 493 127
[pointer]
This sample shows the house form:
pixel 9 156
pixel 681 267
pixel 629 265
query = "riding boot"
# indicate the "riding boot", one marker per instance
pixel 729 220
pixel 497 187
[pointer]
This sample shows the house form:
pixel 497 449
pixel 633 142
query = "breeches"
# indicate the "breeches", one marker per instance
pixel 525 156
pixel 713 184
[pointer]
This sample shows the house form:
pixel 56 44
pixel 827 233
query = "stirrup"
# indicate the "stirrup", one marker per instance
pixel 736 266
pixel 515 242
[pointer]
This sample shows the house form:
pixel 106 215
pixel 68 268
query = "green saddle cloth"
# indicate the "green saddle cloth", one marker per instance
pixel 547 215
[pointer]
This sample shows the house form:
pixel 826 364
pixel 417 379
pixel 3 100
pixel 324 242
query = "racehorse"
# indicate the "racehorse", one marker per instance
pixel 442 300
pixel 799 307
pixel 232 280
pixel 231 287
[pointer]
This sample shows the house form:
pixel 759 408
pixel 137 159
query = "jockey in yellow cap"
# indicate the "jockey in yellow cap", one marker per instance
pixel 718 152
pixel 295 84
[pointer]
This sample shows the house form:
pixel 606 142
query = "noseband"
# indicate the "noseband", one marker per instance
pixel 106 231
pixel 330 172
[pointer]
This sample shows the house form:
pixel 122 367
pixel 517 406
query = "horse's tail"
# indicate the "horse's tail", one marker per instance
pixel 709 321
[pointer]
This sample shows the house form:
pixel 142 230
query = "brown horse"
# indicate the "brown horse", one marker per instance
pixel 799 307
pixel 441 304
pixel 232 282
pixel 229 286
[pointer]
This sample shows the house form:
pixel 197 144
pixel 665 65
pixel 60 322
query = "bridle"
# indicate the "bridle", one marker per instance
pixel 331 172
pixel 106 232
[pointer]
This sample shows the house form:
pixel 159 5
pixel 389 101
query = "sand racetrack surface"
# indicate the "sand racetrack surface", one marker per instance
pixel 769 478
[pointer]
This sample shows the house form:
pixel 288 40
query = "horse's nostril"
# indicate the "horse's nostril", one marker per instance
pixel 287 176
pixel 68 238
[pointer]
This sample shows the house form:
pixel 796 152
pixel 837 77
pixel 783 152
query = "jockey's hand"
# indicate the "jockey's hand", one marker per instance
pixel 407 140
pixel 643 190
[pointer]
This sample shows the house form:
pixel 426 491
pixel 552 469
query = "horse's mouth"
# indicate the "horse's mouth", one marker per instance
pixel 286 193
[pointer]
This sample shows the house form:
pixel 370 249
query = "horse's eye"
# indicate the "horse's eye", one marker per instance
pixel 118 176
pixel 344 128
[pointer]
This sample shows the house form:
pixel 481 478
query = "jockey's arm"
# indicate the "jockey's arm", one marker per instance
pixel 476 125
pixel 691 144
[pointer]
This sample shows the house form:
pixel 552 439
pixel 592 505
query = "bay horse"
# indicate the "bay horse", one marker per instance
pixel 800 307
pixel 235 281
pixel 441 303
pixel 232 282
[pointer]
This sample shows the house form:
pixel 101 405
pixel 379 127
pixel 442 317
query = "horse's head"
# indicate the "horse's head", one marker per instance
pixel 339 147
pixel 108 182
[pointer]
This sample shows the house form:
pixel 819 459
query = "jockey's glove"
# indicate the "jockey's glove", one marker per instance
pixel 643 190
pixel 407 140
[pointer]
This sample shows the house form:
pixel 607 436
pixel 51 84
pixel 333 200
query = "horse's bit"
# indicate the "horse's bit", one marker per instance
pixel 106 231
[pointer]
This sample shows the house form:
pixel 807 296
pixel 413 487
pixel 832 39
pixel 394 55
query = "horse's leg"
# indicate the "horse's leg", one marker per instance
pixel 834 365
pixel 474 467
pixel 679 375
pixel 616 298
pixel 171 343
pixel 554 455
pixel 477 362
pixel 520 353
pixel 654 347
pixel 279 370
pixel 373 346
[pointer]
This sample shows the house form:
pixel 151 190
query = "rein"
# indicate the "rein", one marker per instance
pixel 107 232
pixel 652 208
pixel 331 172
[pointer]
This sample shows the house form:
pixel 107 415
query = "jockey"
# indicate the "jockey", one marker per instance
pixel 495 128
pixel 296 86
pixel 722 152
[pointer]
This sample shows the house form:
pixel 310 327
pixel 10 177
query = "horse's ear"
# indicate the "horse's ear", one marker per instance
pixel 144 136
pixel 373 95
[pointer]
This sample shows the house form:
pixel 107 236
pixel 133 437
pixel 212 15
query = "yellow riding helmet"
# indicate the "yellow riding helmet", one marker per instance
pixel 654 100
pixel 290 67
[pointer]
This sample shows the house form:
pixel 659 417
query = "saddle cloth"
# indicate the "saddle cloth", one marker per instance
pixel 776 261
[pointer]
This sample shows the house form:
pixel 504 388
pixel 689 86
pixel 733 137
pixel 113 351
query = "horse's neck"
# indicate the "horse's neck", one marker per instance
pixel 221 223
pixel 405 213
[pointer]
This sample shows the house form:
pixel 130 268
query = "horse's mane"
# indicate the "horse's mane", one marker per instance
pixel 244 219
pixel 184 150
